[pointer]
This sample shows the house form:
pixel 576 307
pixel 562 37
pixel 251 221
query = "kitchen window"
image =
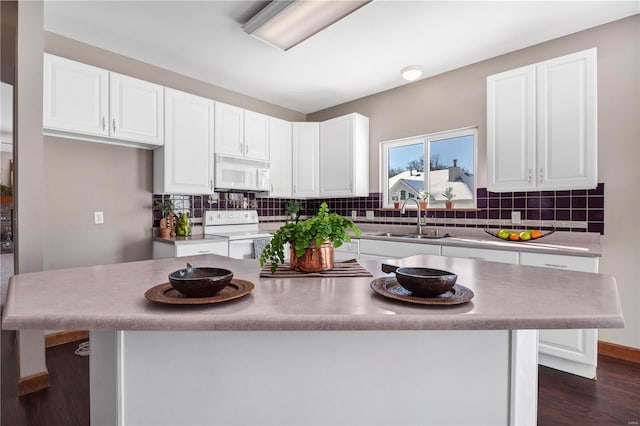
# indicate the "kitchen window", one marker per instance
pixel 452 163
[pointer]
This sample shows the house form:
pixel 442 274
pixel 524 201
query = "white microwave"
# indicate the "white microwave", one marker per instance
pixel 241 173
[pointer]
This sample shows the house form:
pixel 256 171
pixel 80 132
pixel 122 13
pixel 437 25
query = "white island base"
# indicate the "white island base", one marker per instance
pixel 314 377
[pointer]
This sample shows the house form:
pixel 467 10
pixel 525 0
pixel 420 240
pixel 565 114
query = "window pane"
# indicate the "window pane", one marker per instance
pixel 451 164
pixel 406 171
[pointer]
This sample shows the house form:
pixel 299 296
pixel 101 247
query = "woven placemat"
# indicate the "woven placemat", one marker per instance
pixel 348 268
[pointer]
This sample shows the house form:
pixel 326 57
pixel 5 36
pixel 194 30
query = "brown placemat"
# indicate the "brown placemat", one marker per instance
pixel 165 293
pixel 347 268
pixel 389 287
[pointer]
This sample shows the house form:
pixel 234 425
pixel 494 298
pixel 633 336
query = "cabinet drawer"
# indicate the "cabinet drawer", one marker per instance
pixel 218 247
pixel 481 254
pixel 396 250
pixel 571 263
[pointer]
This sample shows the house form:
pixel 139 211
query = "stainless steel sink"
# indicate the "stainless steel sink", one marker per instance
pixel 432 236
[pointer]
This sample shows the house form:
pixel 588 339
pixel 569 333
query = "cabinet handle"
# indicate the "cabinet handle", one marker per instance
pixel 476 258
pixel 350 187
pixel 294 189
pixel 541 175
pixel 114 125
pixel 530 175
pixel 203 251
pixel 104 124
pixel 555 265
pixel 271 187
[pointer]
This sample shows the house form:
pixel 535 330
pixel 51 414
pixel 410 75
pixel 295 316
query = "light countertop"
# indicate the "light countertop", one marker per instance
pixel 584 244
pixel 111 297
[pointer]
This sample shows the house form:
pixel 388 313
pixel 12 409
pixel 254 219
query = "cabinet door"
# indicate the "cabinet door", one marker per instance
pixel 502 256
pixel 256 136
pixel 136 110
pixel 76 97
pixel 566 122
pixel 280 158
pixel 573 351
pixel 188 149
pixel 336 156
pixel 229 130
pixel 511 130
pixel 305 159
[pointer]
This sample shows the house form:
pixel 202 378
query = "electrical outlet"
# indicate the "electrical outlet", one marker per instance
pixel 98 218
pixel 516 218
pixel 354 214
pixel 369 215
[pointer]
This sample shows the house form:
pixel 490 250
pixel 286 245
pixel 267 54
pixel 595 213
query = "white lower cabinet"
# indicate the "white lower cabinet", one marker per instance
pixel 481 254
pixel 394 250
pixel 347 251
pixel 164 250
pixel 573 351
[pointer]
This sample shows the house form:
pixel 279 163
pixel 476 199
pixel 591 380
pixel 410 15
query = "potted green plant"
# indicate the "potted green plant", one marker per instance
pixel 311 241
pixel 292 208
pixel 449 195
pixel 167 222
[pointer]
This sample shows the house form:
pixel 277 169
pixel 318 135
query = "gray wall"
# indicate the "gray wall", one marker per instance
pixel 458 99
pixel 83 177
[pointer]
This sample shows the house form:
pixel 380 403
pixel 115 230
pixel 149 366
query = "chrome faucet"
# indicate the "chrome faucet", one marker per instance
pixel 402 211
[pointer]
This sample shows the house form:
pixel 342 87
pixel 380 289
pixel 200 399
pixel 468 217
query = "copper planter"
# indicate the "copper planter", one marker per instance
pixel 314 259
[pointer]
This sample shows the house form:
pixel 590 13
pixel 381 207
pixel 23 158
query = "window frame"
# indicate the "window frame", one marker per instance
pixel 426 139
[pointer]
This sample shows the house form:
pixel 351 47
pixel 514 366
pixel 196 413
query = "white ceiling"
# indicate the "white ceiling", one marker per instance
pixel 358 56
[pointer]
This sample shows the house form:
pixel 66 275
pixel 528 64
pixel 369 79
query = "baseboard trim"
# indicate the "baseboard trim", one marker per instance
pixel 33 383
pixel 63 337
pixel 619 351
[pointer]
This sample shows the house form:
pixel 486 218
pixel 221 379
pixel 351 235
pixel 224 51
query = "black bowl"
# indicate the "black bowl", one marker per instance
pixel 426 282
pixel 200 282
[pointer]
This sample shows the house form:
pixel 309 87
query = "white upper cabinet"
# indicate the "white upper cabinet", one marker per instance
pixel 281 158
pixel 566 115
pixel 306 174
pixel 511 129
pixel 256 136
pixel 229 130
pixel 136 109
pixel 76 97
pixel 185 164
pixel 344 156
pixel 241 133
pixel 541 125
pixel 85 102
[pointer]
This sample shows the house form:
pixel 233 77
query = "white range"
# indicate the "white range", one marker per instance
pixel 240 227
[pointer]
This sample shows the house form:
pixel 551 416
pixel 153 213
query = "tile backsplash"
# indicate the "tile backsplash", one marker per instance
pixel 574 210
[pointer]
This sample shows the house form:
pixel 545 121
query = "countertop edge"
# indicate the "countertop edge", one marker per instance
pixel 304 323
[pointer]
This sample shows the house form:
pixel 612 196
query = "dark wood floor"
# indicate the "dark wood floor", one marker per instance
pixel 564 399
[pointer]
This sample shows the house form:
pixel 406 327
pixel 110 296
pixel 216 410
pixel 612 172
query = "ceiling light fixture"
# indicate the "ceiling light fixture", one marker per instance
pixel 286 23
pixel 411 73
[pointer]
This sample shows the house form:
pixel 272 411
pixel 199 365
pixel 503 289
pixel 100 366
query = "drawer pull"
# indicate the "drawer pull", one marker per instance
pixel 555 265
pixel 203 251
pixel 476 258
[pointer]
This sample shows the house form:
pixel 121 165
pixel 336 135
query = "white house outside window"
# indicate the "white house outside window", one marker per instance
pixel 452 163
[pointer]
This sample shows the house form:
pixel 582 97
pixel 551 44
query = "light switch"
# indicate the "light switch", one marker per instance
pixel 98 218
pixel 354 214
pixel 369 215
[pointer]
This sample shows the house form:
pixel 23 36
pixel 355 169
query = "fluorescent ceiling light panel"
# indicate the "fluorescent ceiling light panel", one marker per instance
pixel 286 23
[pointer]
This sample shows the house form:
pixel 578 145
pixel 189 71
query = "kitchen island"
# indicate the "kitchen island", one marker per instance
pixel 310 350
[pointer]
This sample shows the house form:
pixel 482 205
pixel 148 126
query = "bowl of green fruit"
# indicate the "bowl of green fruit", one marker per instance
pixel 518 234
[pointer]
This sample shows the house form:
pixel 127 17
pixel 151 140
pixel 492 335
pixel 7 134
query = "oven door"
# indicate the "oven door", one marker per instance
pixel 241 249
